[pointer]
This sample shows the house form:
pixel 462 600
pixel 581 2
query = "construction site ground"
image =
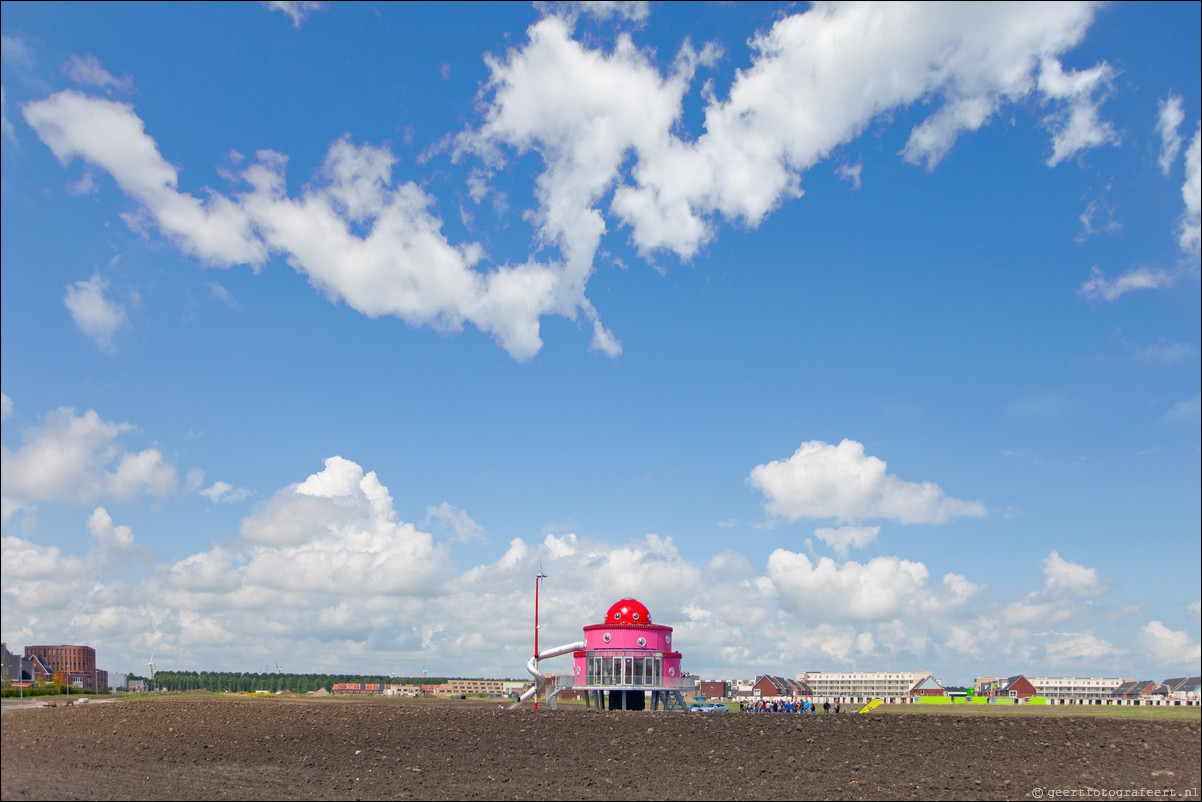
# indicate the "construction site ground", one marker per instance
pixel 222 747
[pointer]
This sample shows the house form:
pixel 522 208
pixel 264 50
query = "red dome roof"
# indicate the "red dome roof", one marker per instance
pixel 629 612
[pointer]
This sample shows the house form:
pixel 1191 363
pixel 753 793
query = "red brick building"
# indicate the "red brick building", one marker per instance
pixel 928 687
pixel 77 664
pixel 768 687
pixel 1017 687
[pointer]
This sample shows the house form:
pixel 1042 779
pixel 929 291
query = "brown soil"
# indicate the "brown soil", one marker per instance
pixel 220 748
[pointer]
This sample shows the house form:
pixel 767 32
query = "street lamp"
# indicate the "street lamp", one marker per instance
pixel 537 579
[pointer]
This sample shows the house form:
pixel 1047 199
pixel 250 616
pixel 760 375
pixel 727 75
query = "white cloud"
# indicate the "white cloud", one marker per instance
pixel 816 82
pixel 851 172
pixel 402 266
pixel 224 492
pixel 822 480
pixel 28 561
pixel 1072 649
pixel 457 521
pixel 1169 647
pixel 43 582
pixel 1076 127
pixel 358 576
pixel 337 532
pixel 145 471
pixel 6 406
pixel 1190 230
pixel 211 571
pixel 1064 577
pixel 582 110
pixel 297 10
pixel 221 293
pixel 881 589
pixel 817 79
pixel 931 141
pixel 110 536
pixel 1188 410
pixel 1068 593
pixel 116 547
pixel 634 10
pixel 959 590
pixel 844 537
pixel 96 315
pixel 15 52
pixel 1167 352
pixel 357 584
pixel 88 71
pixel 1100 288
pixel 1098 216
pixel 110 135
pixel 1167 123
pixel 6 126
pixel 77 458
pixel 86 185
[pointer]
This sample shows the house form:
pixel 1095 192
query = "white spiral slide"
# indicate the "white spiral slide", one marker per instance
pixel 532 667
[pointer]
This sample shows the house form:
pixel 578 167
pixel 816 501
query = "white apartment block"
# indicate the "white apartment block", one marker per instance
pixel 1075 687
pixel 862 684
pixel 741 687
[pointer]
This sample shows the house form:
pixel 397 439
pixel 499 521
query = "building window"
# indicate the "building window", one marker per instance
pixel 624 668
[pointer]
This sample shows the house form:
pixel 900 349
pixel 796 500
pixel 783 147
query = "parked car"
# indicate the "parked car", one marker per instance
pixel 711 707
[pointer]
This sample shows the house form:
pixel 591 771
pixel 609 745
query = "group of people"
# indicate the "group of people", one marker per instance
pixel 802 706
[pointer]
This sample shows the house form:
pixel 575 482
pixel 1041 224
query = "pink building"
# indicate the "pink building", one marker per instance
pixel 626 657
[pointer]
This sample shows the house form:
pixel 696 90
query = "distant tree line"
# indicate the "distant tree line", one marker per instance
pixel 267 682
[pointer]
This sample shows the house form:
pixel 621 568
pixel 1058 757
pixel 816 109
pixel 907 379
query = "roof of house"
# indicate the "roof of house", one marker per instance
pixel 1183 684
pixel 787 687
pixel 927 684
pixel 1134 688
pixel 1012 681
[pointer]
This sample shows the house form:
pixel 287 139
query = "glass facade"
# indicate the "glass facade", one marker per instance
pixel 625 669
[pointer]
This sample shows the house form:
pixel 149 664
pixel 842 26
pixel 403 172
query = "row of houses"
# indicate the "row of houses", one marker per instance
pixel 1079 688
pixel 851 685
pixel 908 685
pixel 76 665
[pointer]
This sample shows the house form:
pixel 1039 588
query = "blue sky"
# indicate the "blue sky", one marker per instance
pixel 845 338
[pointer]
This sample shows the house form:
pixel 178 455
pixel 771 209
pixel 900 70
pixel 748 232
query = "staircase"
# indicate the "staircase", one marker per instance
pixel 674 700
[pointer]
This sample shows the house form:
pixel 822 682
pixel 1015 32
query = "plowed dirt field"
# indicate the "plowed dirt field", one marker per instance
pixel 221 748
